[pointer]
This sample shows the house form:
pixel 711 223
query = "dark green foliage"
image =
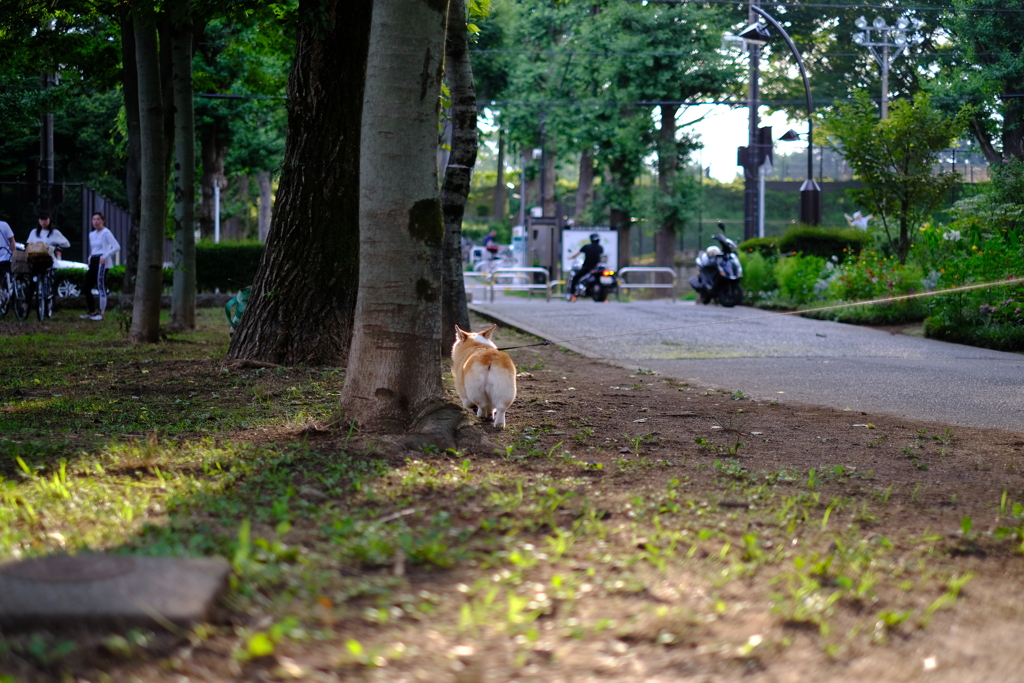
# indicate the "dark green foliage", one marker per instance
pixel 765 246
pixel 824 242
pixel 227 267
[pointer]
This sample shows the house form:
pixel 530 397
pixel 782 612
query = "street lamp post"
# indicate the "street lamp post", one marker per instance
pixel 886 37
pixel 810 191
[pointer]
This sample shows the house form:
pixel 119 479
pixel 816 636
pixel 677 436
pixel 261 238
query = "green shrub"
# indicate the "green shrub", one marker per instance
pixel 824 242
pixel 228 266
pixel 870 276
pixel 797 277
pixel 767 247
pixel 758 275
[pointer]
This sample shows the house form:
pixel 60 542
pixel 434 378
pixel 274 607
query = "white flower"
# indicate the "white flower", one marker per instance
pixel 952 235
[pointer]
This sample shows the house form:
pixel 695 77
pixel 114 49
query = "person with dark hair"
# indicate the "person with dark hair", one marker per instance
pixel 102 246
pixel 41 258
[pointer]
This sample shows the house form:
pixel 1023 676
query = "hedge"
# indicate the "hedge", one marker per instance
pixel 824 242
pixel 227 267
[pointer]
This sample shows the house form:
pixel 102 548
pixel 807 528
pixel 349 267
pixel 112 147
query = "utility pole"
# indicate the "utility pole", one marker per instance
pixel 887 37
pixel 752 167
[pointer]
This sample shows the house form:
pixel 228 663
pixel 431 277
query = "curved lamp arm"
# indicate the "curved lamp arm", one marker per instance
pixel 807 86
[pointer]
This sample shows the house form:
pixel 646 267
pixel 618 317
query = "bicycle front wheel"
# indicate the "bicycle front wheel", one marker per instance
pixel 19 298
pixel 44 299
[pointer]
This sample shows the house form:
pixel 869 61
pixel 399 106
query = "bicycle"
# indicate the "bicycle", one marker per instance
pixel 19 296
pixel 5 294
pixel 44 294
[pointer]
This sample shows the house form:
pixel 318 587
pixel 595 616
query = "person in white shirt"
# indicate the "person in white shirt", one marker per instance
pixel 6 247
pixel 857 220
pixel 53 239
pixel 6 253
pixel 102 247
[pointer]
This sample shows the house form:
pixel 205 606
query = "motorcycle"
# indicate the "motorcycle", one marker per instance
pixel 597 284
pixel 719 274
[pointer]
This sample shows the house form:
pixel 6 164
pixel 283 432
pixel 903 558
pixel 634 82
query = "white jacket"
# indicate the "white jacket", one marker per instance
pixel 103 244
pixel 51 238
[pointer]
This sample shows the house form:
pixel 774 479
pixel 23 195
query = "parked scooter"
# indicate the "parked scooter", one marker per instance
pixel 597 284
pixel 720 273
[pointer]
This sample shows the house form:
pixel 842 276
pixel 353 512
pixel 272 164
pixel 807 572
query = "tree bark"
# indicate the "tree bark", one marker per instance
pixel 145 325
pixel 394 376
pixel 263 217
pixel 302 302
pixel 500 191
pixel 457 174
pixel 668 165
pixel 585 189
pixel 183 290
pixel 133 174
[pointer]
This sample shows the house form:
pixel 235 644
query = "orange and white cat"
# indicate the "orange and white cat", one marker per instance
pixel 485 377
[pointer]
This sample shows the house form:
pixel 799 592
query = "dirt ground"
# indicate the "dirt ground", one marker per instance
pixel 634 527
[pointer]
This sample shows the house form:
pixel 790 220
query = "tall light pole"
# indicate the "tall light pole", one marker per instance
pixel 760 139
pixel 886 37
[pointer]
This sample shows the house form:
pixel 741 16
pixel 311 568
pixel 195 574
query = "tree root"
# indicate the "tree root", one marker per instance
pixel 444 425
pixel 246 364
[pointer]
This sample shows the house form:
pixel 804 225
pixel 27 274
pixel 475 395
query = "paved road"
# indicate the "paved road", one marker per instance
pixel 786 357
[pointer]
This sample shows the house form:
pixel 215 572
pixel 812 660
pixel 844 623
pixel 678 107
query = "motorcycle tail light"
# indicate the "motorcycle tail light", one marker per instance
pixel 607 272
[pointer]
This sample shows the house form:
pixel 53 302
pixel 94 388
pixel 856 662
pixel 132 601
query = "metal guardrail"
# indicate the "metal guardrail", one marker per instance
pixel 650 285
pixel 522 273
pixel 473 280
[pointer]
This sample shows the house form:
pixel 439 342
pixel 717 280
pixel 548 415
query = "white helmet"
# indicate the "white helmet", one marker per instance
pixel 713 251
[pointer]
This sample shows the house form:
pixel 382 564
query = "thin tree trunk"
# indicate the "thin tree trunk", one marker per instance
pixel 668 164
pixel 455 189
pixel 303 299
pixel 166 39
pixel 183 290
pixel 584 191
pixel 500 194
pixel 263 217
pixel 145 325
pixel 394 375
pixel 212 151
pixel 133 174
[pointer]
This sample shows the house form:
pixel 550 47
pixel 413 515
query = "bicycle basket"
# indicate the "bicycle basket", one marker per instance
pixel 19 263
pixel 235 307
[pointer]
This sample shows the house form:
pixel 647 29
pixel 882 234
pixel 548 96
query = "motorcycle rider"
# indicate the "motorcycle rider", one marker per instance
pixel 592 256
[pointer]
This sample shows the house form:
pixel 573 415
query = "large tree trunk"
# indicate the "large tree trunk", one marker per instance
pixel 145 325
pixel 133 174
pixel 585 189
pixel 394 371
pixel 500 191
pixel 1013 128
pixel 455 188
pixel 977 126
pixel 263 217
pixel 550 205
pixel 212 150
pixel 183 290
pixel 303 299
pixel 668 164
pixel 619 218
